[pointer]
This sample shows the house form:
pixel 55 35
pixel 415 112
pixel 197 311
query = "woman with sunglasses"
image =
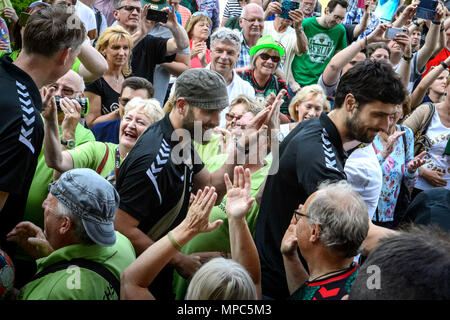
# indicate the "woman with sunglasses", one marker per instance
pixel 265 59
pixel 198 29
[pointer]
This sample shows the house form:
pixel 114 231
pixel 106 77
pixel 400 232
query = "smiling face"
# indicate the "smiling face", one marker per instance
pixel 252 23
pixel 132 125
pixel 310 108
pixel 224 56
pixel 265 64
pixel 335 17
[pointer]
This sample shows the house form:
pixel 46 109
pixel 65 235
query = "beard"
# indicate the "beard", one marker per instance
pixel 356 130
pixel 196 129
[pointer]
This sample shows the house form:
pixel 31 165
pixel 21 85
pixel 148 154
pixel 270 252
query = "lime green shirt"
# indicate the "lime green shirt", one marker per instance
pixel 80 284
pixel 322 45
pixel 90 155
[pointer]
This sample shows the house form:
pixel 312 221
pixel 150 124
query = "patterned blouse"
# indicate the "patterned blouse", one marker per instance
pixel 394 170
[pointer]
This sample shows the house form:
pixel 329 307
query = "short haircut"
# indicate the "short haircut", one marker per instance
pixel 333 3
pixel 115 34
pixel 224 34
pixel 371 48
pixel 221 279
pixel 137 83
pixel 342 216
pixel 260 52
pixel 51 30
pixel 413 264
pixel 253 105
pixel 305 94
pixel 370 81
pixel 193 20
pixel 150 107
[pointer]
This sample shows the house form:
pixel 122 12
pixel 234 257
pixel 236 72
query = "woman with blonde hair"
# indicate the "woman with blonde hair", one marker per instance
pixel 115 44
pixel 198 29
pixel 308 103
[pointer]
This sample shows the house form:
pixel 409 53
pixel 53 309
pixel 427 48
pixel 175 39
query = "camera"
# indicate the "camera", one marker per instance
pixel 286 6
pixel 157 16
pixel 84 103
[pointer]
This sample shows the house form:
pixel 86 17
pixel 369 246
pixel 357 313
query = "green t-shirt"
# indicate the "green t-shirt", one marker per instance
pixel 208 153
pixel 219 239
pixel 90 155
pixel 85 284
pixel 322 45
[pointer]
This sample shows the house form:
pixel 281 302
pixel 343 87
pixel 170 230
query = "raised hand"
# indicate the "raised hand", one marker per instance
pixel 72 115
pixel 389 145
pixel 297 18
pixel 238 202
pixel 48 103
pixel 197 218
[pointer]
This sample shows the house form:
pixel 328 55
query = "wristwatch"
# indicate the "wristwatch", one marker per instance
pixel 407 58
pixel 70 144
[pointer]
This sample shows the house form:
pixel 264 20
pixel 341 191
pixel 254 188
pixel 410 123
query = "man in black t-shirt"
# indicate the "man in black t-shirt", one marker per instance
pixel 160 172
pixel 313 152
pixel 50 46
pixel 148 51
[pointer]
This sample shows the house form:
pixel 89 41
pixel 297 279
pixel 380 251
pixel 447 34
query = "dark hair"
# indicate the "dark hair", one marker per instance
pixel 137 83
pixel 371 48
pixel 370 81
pixel 398 12
pixel 52 29
pixel 333 3
pixel 413 265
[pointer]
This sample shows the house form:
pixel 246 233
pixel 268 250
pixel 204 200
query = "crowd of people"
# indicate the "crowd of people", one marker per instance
pixel 158 150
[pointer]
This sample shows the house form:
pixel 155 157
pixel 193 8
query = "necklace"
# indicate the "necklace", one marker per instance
pixel 328 273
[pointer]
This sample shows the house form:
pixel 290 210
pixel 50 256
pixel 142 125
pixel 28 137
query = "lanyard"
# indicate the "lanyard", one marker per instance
pixel 117 162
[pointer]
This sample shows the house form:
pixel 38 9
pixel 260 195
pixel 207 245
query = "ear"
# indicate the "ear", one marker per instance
pixel 240 22
pixel 350 103
pixel 182 107
pixel 315 233
pixel 116 14
pixel 64 56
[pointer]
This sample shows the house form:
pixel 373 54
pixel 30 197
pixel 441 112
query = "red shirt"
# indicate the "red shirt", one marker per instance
pixel 441 56
pixel 195 62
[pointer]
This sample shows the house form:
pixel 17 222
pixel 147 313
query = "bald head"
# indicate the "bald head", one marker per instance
pixel 70 85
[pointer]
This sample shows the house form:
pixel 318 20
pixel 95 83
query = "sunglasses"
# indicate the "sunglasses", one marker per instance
pixel 130 8
pixel 266 56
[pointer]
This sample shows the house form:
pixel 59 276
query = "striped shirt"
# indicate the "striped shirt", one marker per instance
pixel 232 9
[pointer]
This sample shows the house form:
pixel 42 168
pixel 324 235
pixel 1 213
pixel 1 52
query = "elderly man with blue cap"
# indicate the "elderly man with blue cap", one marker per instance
pixel 80 255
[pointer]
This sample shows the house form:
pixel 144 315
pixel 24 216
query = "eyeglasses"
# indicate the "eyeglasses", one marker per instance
pixel 230 116
pixel 130 8
pixel 298 213
pixel 266 56
pixel 254 20
pixel 66 91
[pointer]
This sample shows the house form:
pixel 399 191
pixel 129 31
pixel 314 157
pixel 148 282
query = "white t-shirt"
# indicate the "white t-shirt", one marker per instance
pixel 435 157
pixel 364 173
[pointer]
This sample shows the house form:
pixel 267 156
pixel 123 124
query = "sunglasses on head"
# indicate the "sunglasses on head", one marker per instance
pixel 266 56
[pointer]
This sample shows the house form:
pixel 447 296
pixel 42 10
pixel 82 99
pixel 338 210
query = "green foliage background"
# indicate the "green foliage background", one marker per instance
pixel 20 5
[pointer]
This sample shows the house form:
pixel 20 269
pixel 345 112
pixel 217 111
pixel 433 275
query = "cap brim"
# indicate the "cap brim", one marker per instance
pixel 256 48
pixel 101 233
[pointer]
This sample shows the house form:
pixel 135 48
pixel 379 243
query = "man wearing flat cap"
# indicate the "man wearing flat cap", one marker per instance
pixel 80 255
pixel 158 175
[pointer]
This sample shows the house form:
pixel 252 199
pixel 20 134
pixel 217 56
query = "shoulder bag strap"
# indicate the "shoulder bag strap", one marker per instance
pixel 429 117
pixel 105 157
pixel 98 268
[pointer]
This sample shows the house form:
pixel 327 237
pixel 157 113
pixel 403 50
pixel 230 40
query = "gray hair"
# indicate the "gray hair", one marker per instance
pixel 254 106
pixel 224 34
pixel 77 224
pixel 221 279
pixel 260 52
pixel 342 217
pixel 245 8
pixel 150 107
